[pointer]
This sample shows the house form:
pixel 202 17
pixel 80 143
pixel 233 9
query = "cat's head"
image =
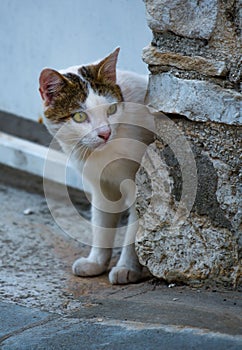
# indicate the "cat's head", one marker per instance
pixel 82 99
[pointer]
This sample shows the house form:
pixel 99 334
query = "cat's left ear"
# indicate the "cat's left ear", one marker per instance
pixel 107 68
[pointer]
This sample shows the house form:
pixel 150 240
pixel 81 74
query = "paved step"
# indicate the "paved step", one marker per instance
pixel 24 328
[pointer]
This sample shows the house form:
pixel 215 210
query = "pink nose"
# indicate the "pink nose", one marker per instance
pixel 104 134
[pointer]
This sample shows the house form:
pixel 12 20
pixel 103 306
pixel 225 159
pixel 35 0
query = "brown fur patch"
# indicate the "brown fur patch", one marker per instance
pixel 101 87
pixel 68 100
pixel 73 91
pixel 102 76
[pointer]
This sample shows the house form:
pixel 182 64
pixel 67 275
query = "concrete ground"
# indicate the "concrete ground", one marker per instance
pixel 43 306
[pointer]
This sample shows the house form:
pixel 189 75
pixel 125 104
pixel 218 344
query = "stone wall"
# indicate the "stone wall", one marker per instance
pixel 189 188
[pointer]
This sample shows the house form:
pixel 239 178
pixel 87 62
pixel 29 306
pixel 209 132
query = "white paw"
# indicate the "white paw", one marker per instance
pixel 84 267
pixel 124 275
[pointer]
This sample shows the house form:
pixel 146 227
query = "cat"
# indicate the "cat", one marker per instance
pixel 98 111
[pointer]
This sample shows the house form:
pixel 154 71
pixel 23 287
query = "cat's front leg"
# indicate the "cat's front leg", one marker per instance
pixel 95 264
pixel 128 268
pixel 104 228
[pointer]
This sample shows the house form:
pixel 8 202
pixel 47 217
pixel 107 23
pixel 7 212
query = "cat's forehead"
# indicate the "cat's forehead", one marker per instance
pixel 96 94
pixel 94 99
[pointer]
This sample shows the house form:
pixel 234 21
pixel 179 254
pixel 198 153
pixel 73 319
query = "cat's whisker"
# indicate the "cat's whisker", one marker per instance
pixel 85 153
pixel 74 139
pixel 80 151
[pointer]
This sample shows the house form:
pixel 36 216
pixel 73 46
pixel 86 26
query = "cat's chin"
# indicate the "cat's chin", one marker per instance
pixel 100 146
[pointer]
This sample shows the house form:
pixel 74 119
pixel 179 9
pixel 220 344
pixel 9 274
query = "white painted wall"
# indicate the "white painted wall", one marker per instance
pixel 60 33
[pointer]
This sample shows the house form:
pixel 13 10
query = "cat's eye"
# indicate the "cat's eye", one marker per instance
pixel 79 117
pixel 112 109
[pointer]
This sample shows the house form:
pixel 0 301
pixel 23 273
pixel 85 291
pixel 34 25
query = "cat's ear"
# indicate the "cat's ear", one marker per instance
pixel 51 82
pixel 107 68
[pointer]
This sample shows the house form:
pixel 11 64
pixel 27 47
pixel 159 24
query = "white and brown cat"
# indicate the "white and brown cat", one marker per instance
pixel 94 109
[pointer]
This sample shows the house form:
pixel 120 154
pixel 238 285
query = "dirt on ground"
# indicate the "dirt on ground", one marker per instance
pixel 36 258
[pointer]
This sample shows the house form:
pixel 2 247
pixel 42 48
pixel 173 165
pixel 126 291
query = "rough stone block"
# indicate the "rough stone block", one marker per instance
pixel 190 219
pixel 197 100
pixel 189 18
pixel 154 56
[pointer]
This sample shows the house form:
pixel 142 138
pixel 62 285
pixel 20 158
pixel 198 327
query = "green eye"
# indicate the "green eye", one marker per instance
pixel 112 109
pixel 79 117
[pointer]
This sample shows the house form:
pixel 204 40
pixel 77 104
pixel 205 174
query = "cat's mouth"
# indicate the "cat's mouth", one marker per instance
pixel 98 143
pixel 101 145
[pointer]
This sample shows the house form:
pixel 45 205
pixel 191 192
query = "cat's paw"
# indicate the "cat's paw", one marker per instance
pixel 85 268
pixel 125 275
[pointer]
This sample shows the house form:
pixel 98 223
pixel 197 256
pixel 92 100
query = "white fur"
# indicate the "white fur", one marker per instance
pixel 111 179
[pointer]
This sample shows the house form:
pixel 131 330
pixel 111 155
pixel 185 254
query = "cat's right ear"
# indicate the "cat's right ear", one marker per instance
pixel 50 84
pixel 106 69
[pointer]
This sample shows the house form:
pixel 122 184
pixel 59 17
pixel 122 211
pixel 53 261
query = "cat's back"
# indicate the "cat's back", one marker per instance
pixel 133 86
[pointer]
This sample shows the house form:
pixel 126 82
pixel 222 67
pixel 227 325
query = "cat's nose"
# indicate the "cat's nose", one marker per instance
pixel 104 134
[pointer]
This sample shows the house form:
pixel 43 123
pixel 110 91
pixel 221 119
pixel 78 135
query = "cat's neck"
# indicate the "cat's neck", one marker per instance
pixel 133 86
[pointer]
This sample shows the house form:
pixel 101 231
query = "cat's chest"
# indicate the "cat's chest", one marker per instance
pixel 109 167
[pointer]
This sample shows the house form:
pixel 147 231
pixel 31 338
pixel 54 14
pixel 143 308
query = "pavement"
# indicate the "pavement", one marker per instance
pixel 43 306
